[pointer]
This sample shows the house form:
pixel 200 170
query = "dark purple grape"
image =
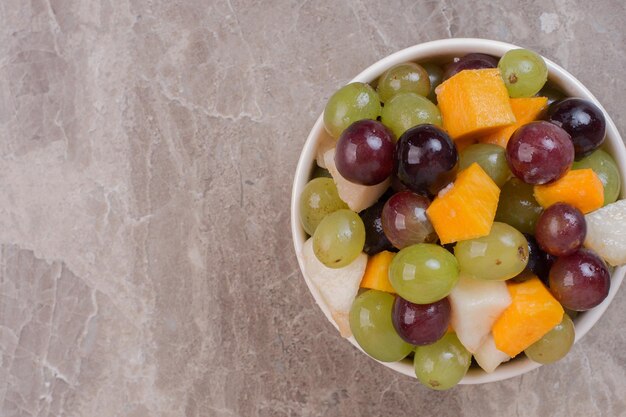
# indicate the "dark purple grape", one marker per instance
pixel 396 184
pixel 469 62
pixel 539 262
pixel 435 76
pixel 561 229
pixel 375 239
pixel 426 159
pixel 539 153
pixel 404 220
pixel 485 58
pixel 551 93
pixel 448 246
pixel 583 120
pixel 580 281
pixel 364 153
pixel 420 324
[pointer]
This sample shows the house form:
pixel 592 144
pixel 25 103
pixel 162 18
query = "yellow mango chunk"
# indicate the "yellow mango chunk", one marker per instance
pixel 581 188
pixel 532 313
pixel 474 103
pixel 467 208
pixel 525 110
pixel 377 272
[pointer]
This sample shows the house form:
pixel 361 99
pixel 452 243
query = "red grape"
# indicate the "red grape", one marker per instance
pixel 540 153
pixel 583 120
pixel 561 229
pixel 404 220
pixel 375 239
pixel 469 62
pixel 426 159
pixel 580 281
pixel 420 324
pixel 364 153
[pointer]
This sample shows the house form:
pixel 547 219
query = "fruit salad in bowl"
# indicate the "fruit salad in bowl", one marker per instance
pixel 457 211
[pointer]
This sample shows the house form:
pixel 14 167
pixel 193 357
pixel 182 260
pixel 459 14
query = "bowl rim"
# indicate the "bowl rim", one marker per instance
pixel 431 51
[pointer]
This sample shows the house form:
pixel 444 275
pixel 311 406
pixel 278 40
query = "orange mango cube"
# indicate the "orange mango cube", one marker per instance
pixel 474 103
pixel 525 110
pixel 462 144
pixel 581 188
pixel 532 313
pixel 465 209
pixel 376 275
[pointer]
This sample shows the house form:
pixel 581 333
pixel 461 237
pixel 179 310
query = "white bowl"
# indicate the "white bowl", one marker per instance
pixel 441 51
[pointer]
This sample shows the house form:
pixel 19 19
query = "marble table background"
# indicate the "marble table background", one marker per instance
pixel 147 149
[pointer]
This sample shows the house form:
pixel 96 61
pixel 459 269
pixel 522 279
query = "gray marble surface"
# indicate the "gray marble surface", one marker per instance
pixel 147 149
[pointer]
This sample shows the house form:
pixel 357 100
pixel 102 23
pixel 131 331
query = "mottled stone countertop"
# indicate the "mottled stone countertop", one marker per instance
pixel 147 149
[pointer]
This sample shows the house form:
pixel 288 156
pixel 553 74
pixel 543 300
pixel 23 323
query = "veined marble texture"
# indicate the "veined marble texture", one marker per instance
pixel 147 149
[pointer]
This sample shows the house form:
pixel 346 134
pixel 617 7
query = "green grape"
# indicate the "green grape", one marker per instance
pixel 443 364
pixel 517 206
pixel 524 72
pixel 339 238
pixel 371 325
pixel 435 75
pixel 406 110
pixel 423 273
pixel 351 103
pixel 551 93
pixel 605 167
pixel 403 78
pixel 555 344
pixel 491 158
pixel 500 255
pixel 319 172
pixel 318 199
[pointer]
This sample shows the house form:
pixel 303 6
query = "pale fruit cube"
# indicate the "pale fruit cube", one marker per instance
pixel 337 286
pixel 488 356
pixel 476 305
pixel 357 197
pixel 326 143
pixel 606 232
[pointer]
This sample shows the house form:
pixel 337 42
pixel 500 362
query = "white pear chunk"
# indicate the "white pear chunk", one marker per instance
pixel 476 304
pixel 337 287
pixel 326 143
pixel 488 356
pixel 357 197
pixel 606 232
